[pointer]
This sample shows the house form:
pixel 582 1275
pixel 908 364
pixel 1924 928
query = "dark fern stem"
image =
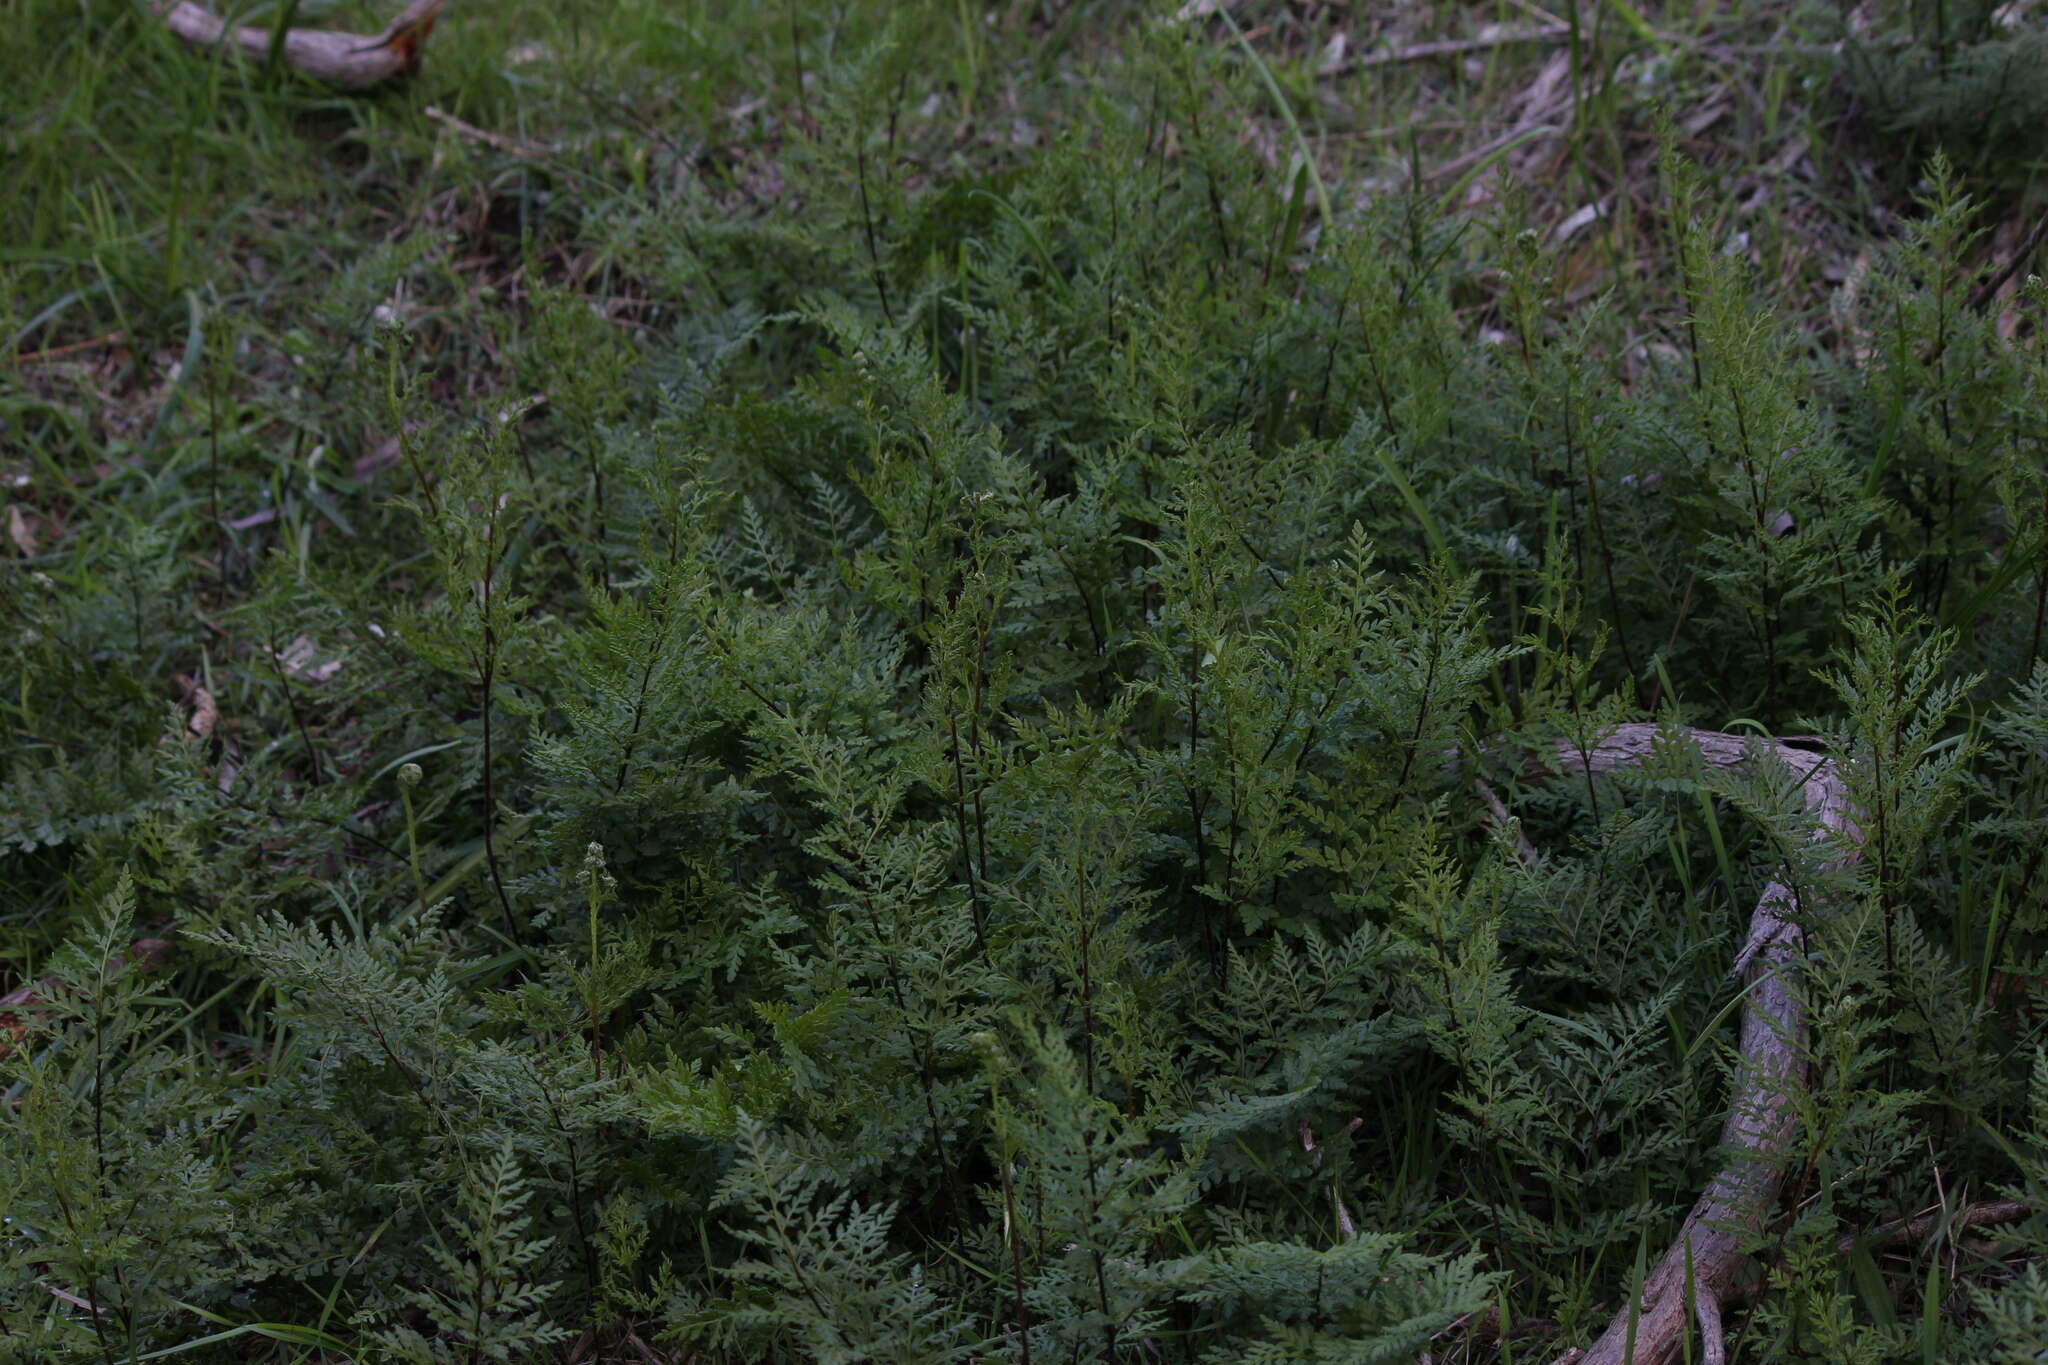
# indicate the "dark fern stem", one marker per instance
pixel 487 669
pixel 2040 590
pixel 291 702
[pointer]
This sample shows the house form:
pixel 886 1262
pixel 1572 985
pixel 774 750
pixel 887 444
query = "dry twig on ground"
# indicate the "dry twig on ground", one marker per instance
pixel 348 61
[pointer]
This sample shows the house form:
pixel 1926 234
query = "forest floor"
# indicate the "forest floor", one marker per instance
pixel 241 312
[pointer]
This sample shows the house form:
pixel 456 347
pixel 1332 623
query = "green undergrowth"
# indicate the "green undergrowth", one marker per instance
pixel 847 729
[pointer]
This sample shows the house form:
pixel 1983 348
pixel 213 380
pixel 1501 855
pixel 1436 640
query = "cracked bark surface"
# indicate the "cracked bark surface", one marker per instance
pixel 1695 1274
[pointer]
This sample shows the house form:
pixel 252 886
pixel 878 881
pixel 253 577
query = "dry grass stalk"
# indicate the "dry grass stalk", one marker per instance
pixel 510 146
pixel 1447 47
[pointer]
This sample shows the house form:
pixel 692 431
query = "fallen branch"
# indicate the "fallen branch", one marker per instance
pixel 1698 1271
pixel 1916 1229
pixel 1884 1235
pixel 348 61
pixel 511 146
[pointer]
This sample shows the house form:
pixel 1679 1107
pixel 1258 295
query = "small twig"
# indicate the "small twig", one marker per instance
pixel 1486 1326
pixel 1916 1229
pixel 49 352
pixel 72 1299
pixel 505 144
pixel 1988 290
pixel 1445 47
pixel 1906 1230
pixel 1537 12
pixel 1524 850
pixel 1529 129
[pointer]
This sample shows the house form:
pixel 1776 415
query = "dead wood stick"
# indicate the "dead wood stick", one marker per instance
pixel 1530 127
pixel 1443 47
pixel 1916 1229
pixel 508 145
pixel 1524 850
pixel 2021 254
pixel 1697 1273
pixel 347 61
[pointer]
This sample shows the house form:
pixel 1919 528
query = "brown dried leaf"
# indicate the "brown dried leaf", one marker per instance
pixel 21 530
pixel 205 712
pixel 1843 310
pixel 369 466
pixel 296 660
pixel 294 657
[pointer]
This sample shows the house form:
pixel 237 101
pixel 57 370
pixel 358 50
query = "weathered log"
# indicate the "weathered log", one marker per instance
pixel 1697 1272
pixel 347 61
